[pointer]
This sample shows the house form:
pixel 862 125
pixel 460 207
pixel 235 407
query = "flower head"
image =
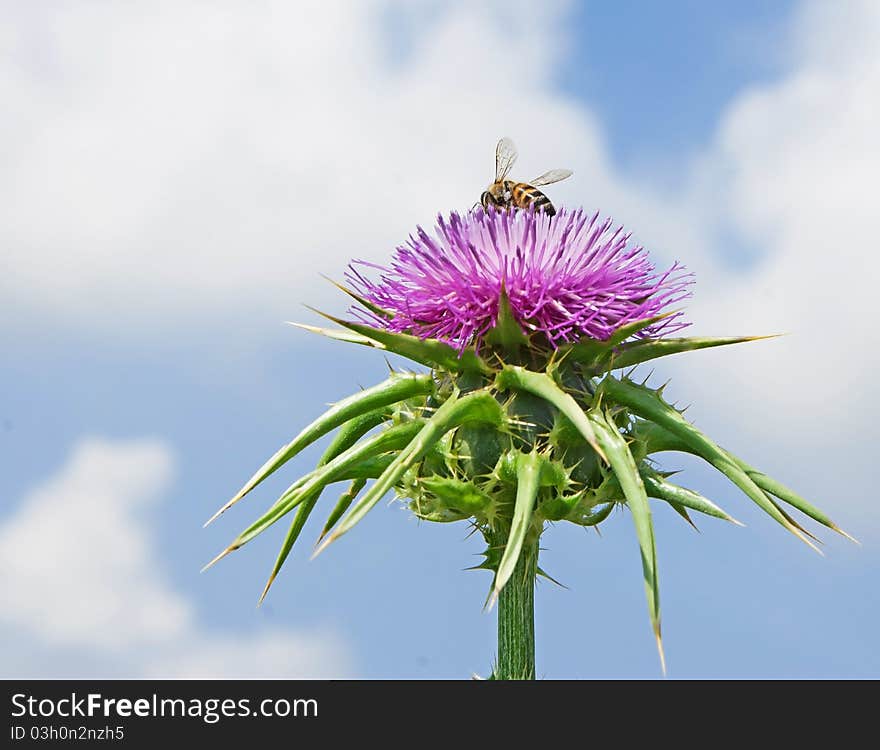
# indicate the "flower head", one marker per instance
pixel 516 441
pixel 566 277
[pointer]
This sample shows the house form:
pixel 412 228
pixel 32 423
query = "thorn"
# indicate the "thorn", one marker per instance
pixel 803 537
pixel 219 557
pixel 323 545
pixel 323 314
pixel 550 578
pixel 660 651
pixel 835 527
pixel 266 589
pixel 222 511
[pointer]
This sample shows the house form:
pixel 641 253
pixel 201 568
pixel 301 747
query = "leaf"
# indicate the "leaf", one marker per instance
pixel 587 352
pixel 660 488
pixel 477 406
pixel 791 497
pixel 528 479
pixel 457 494
pixel 637 352
pixel 342 505
pixel 428 352
pixel 398 387
pixel 393 438
pixel 339 334
pixel 348 435
pixel 647 404
pixel 369 468
pixel 624 467
pixel 542 385
pixel 596 515
pixel 658 439
pixel 352 431
pixel 296 527
pixel 362 301
pixel 630 329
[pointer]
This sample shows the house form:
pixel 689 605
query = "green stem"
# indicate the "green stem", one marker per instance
pixel 516 619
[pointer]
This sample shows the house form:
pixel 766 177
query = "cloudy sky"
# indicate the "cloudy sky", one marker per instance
pixel 175 178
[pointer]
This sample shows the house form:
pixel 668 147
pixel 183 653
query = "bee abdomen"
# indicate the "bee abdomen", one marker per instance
pixel 525 195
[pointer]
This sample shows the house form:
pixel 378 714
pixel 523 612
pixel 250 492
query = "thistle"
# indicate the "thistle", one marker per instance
pixel 529 413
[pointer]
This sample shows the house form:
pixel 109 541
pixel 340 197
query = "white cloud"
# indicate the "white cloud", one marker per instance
pixel 791 176
pixel 169 158
pixel 275 653
pixel 793 173
pixel 82 577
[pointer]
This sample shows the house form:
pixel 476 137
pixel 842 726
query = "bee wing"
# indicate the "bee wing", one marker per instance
pixel 554 175
pixel 505 156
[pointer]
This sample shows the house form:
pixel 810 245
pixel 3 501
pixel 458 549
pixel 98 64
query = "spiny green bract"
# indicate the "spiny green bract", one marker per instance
pixel 509 439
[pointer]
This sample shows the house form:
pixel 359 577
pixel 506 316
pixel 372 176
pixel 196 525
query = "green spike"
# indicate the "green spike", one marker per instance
pixel 791 497
pixel 296 527
pixel 624 467
pixel 631 329
pixel 348 435
pixel 682 511
pixel 543 386
pixel 596 514
pixel 338 334
pixel 344 503
pixel 393 438
pixel 396 388
pixel 477 406
pixel 362 301
pixel 648 405
pixel 659 439
pixel 429 352
pixel 528 477
pixel 636 352
pixel 458 495
pixel 539 571
pixel 657 486
pixel 507 334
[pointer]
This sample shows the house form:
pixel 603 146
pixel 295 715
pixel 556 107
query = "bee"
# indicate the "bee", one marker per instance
pixel 504 193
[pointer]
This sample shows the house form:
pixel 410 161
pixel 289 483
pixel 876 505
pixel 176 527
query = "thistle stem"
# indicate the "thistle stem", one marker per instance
pixel 516 619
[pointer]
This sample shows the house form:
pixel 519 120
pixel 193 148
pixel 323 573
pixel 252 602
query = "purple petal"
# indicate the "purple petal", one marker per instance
pixel 568 277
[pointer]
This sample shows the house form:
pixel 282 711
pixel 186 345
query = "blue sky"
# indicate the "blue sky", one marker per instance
pixel 660 74
pixel 175 188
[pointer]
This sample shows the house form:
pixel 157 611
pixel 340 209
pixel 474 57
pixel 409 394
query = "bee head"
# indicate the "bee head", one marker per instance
pixel 495 195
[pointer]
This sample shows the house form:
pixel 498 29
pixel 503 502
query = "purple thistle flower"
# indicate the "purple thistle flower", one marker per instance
pixel 567 277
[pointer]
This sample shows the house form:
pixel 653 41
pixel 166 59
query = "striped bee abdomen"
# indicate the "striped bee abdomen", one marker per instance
pixel 525 195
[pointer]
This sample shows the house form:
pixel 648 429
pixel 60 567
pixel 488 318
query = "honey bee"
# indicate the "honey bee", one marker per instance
pixel 504 193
